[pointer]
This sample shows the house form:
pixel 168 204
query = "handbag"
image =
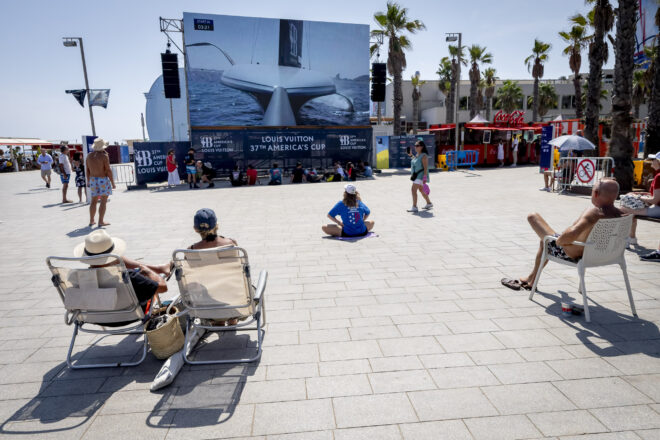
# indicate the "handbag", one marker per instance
pixel 426 189
pixel 168 338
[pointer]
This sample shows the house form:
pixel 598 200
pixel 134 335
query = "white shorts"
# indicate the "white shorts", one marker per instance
pixel 418 182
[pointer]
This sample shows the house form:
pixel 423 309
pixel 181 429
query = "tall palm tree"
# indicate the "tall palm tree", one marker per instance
pixel 478 55
pixel 393 23
pixel 652 144
pixel 444 84
pixel 601 20
pixel 621 148
pixel 509 96
pixel 489 78
pixel 577 40
pixel 585 94
pixel 534 64
pixel 640 90
pixel 547 99
pixel 416 96
pixel 455 80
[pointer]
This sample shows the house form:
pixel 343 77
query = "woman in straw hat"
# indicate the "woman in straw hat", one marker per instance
pixel 353 214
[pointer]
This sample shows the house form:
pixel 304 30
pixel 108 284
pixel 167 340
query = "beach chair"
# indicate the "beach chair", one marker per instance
pixel 604 246
pixel 99 297
pixel 215 285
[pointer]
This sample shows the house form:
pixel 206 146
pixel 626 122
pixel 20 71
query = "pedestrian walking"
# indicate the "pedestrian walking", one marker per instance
pixel 99 180
pixel 516 140
pixel 65 171
pixel 81 182
pixel 191 168
pixel 172 169
pixel 419 174
pixel 46 162
pixel 500 153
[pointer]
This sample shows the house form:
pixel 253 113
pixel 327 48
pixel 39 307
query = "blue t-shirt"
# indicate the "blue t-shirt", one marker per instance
pixel 275 175
pixel 368 172
pixel 352 218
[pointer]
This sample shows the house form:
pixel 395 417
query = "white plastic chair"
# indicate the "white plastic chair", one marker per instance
pixel 604 246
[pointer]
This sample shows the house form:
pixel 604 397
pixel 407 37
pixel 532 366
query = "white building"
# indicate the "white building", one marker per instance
pixel 433 108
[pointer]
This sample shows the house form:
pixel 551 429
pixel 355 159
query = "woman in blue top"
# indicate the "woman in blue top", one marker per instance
pixel 353 215
pixel 419 174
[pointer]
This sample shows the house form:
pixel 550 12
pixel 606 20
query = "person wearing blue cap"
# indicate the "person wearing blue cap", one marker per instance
pixel 206 225
pixel 353 215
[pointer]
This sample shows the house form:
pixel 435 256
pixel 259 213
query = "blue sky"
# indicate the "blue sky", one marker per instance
pixel 122 46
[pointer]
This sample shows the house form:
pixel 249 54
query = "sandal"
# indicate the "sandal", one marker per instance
pixel 525 285
pixel 512 284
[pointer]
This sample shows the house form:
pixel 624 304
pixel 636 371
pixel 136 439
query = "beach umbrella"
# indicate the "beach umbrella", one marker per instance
pixel 572 143
pixel 478 119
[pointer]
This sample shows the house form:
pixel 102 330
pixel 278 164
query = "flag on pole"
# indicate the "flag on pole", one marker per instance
pixel 79 95
pixel 99 97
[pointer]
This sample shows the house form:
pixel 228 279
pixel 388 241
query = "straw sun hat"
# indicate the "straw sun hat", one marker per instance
pixel 99 242
pixel 99 144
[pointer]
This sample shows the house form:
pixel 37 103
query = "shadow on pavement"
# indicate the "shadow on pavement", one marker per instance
pixel 624 333
pixel 80 231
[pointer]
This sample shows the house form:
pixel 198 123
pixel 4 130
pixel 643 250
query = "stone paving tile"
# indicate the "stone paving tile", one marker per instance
pixel 583 368
pixel 379 409
pixel 525 372
pixel 625 418
pixel 502 427
pixel 299 416
pixel 463 377
pixel 449 429
pixel 597 393
pixel 451 404
pixel 389 432
pixel 566 423
pixel 527 398
pixel 649 434
pixel 336 386
pixel 399 381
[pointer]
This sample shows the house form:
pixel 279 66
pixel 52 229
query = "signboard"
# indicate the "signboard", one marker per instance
pixel 150 158
pixel 545 161
pixel 397 146
pixel 252 72
pixel 586 171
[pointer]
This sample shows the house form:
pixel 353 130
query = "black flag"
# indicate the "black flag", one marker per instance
pixel 79 95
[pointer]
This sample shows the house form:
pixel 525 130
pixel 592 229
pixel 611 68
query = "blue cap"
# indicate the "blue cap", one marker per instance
pixel 205 219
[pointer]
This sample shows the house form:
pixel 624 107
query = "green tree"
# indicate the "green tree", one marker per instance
pixel 652 144
pixel 534 64
pixel 621 147
pixel 585 94
pixel 393 23
pixel 547 99
pixel 478 56
pixel 577 40
pixel 455 80
pixel 640 90
pixel 416 96
pixel 601 20
pixel 444 73
pixel 509 96
pixel 489 78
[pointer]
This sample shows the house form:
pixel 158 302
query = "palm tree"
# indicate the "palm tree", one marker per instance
pixel 577 40
pixel 478 55
pixel 416 96
pixel 640 90
pixel 547 99
pixel 509 96
pixel 652 144
pixel 585 94
pixel 455 80
pixel 601 20
pixel 534 64
pixel 445 85
pixel 489 78
pixel 621 148
pixel 393 23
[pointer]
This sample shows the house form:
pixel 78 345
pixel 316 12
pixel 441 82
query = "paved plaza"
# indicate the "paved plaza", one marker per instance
pixel 408 335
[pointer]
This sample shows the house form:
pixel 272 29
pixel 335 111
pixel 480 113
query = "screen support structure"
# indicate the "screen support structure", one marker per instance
pixel 171 26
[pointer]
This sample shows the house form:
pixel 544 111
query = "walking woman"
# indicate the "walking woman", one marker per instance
pixel 419 174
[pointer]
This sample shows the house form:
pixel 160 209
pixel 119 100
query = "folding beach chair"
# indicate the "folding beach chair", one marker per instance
pixel 215 285
pixel 97 296
pixel 604 246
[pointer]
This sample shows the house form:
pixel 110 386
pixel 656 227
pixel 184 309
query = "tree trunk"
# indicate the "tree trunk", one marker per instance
pixel 596 57
pixel 535 107
pixel 474 80
pixel 488 104
pixel 578 95
pixel 415 113
pixel 621 147
pixel 652 143
pixel 397 102
pixel 449 115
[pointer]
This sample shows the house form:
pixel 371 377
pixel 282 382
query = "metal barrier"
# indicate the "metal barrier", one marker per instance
pixel 462 159
pixel 123 173
pixel 582 171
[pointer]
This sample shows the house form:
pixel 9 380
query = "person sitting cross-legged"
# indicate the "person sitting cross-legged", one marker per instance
pixel 353 215
pixel 603 195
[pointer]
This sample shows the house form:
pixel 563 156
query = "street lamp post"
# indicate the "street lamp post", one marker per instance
pixel 451 38
pixel 71 42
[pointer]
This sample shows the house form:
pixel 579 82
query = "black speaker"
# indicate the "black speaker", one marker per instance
pixel 378 76
pixel 170 64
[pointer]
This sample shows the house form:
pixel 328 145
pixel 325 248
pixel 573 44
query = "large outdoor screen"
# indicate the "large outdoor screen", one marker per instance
pixel 264 72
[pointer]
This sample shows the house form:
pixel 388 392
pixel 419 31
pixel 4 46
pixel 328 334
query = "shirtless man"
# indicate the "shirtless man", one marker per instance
pixel 603 195
pixel 99 179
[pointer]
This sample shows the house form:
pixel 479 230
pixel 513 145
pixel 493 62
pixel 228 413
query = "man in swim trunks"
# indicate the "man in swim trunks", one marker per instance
pixel 603 195
pixel 99 179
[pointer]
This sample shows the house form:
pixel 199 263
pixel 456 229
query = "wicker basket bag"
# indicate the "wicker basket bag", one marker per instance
pixel 168 338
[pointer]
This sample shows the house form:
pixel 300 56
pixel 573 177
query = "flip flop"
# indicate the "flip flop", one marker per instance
pixel 511 284
pixel 525 285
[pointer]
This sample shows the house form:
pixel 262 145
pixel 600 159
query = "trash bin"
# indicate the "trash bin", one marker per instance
pixel 637 172
pixel 442 162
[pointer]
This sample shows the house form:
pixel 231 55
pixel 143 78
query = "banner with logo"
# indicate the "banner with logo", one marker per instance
pixel 150 159
pixel 545 162
pixel 398 146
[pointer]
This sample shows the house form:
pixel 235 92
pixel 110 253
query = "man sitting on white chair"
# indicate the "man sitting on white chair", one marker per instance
pixel 603 195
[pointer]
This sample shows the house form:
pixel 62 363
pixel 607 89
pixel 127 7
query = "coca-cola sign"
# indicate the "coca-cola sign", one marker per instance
pixel 515 118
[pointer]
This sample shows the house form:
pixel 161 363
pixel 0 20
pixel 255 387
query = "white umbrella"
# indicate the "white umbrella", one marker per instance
pixel 572 142
pixel 478 119
pixel 558 118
